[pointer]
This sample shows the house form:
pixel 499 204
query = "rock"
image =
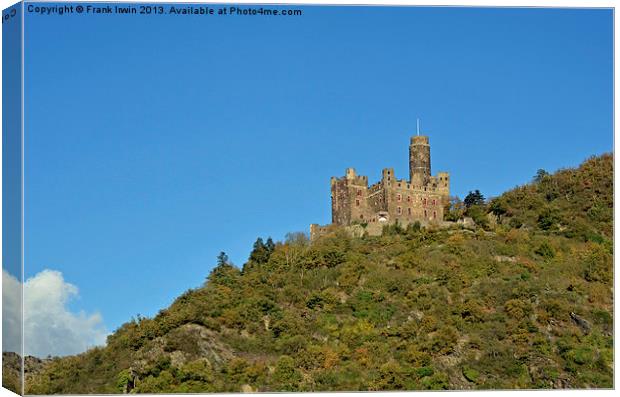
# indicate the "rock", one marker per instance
pixel 581 322
pixel 247 389
pixel 181 345
pixel 266 322
pixel 501 258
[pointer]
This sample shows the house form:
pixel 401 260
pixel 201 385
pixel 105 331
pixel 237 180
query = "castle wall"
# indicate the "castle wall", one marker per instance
pixel 407 204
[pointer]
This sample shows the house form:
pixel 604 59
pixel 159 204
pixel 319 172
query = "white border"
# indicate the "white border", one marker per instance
pixel 482 3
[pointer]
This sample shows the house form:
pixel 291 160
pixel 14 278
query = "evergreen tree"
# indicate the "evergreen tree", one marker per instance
pixel 224 272
pixel 270 245
pixel 540 175
pixel 222 259
pixel 260 252
pixel 474 198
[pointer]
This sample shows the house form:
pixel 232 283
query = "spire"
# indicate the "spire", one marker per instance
pixel 418 124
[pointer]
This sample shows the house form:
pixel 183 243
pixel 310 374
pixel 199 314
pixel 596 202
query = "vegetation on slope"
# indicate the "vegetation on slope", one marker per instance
pixel 524 302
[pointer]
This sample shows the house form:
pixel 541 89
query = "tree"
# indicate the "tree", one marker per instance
pixel 454 209
pixel 479 215
pixel 498 207
pixel 286 376
pixel 222 259
pixel 224 272
pixel 474 198
pixel 297 238
pixel 540 175
pixel 261 251
pixel 548 218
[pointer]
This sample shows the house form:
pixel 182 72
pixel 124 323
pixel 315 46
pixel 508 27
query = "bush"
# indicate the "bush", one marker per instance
pixel 545 250
pixel 286 376
pixel 470 374
pixel 479 215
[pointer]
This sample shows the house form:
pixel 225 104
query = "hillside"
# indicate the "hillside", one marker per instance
pixel 523 301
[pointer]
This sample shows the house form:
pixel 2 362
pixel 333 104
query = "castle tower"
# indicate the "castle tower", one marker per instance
pixel 443 185
pixel 419 160
pixel 349 194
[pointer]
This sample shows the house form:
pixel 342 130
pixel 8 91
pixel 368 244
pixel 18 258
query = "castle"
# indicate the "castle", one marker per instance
pixel 366 209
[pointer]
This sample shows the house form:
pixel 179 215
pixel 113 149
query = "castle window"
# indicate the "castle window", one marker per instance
pixel 409 211
pixel 361 216
pixel 398 184
pixel 424 201
pixel 408 199
pixel 435 214
pixel 357 203
pixel 434 202
pixel 400 210
pixel 425 214
pixel 398 197
pixel 359 192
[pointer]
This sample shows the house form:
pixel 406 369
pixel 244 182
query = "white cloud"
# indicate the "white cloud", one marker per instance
pixel 49 326
pixel 11 313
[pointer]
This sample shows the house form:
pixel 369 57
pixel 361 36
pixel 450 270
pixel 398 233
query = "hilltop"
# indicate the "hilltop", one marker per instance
pixel 521 300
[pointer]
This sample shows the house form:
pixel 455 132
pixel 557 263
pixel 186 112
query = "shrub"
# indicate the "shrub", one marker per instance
pixel 545 250
pixel 286 377
pixel 470 374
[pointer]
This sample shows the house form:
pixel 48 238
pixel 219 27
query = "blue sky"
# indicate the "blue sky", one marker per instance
pixel 155 142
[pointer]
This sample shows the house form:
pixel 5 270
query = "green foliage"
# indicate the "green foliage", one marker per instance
pixel 548 219
pixel 454 209
pixel 577 203
pixel 414 309
pixel 470 374
pixel 498 207
pixel 474 198
pixel 222 259
pixel 545 250
pixel 479 215
pixel 262 251
pixel 224 273
pixel 541 175
pixel 123 380
pixel 286 376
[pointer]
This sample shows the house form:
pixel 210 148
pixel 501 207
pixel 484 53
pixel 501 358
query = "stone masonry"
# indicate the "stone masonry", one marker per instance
pixel 421 198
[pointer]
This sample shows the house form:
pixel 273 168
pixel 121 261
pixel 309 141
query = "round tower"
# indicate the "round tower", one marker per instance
pixel 419 160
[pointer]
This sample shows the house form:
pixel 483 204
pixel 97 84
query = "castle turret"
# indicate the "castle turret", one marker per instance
pixel 443 186
pixel 387 175
pixel 419 160
pixel 350 173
